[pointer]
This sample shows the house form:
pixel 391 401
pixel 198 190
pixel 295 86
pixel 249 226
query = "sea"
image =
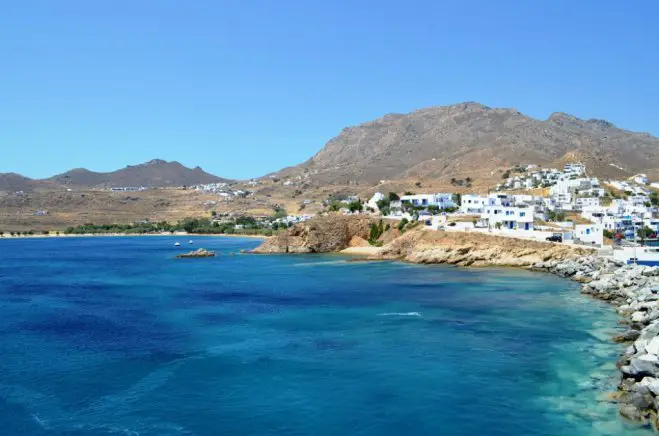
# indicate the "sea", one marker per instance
pixel 115 336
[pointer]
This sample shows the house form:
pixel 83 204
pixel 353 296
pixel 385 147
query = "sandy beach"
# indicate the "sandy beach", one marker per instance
pixel 365 251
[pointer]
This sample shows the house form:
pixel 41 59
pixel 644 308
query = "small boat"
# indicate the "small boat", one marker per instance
pixel 177 244
pixel 639 255
pixel 190 241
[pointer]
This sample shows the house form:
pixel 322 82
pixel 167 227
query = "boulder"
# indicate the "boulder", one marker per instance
pixel 627 336
pixel 640 367
pixel 653 346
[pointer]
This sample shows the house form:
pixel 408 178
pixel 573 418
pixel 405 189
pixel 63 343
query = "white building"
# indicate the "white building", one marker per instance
pixel 574 168
pixel 589 233
pixel 638 200
pixel 641 179
pixel 584 202
pixel 473 204
pixel 509 217
pixel 443 201
pixel 373 202
pixel 500 200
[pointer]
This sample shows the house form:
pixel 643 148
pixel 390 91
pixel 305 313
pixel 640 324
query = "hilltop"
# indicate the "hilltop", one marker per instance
pixel 473 139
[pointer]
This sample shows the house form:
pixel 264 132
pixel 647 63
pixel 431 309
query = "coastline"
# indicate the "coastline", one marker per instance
pixel 633 290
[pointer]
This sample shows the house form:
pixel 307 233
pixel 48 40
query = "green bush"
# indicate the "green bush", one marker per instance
pixel 402 224
pixel 355 206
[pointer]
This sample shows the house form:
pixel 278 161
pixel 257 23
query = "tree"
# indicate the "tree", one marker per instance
pixel 498 225
pixel 376 232
pixel 334 206
pixel 433 210
pixel 246 221
pixel 355 206
pixel 213 213
pixel 469 180
pixel 505 175
pixel 393 197
pixel 409 193
pixel 383 206
pixel 45 232
pixel 654 199
pixel 644 232
pixel 280 212
pixel 457 198
pixel 2 234
pixel 402 224
pixel 417 184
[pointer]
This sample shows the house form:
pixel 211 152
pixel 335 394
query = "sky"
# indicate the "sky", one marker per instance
pixel 243 88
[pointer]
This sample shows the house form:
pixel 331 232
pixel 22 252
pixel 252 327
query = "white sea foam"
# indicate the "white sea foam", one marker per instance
pixel 400 314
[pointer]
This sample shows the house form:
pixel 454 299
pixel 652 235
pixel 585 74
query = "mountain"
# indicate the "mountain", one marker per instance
pixel 13 182
pixel 155 173
pixel 473 139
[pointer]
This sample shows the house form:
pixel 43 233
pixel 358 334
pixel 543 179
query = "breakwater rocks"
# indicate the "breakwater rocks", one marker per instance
pixel 634 290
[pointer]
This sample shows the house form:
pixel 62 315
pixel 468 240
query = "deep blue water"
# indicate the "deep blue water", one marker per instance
pixel 103 336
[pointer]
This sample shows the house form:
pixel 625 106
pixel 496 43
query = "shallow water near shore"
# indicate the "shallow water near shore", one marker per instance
pixel 105 336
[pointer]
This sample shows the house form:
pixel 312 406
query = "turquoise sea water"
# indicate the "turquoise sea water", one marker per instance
pixel 112 336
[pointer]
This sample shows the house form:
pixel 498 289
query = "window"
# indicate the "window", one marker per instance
pixel 522 214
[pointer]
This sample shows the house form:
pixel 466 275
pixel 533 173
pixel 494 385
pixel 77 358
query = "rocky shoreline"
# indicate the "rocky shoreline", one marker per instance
pixel 632 289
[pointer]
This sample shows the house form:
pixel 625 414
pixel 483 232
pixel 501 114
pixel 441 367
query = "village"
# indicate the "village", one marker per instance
pixel 576 208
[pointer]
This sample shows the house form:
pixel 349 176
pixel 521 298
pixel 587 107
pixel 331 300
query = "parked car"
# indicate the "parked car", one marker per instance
pixel 555 238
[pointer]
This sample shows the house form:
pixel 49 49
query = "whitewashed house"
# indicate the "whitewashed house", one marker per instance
pixel 443 201
pixel 584 202
pixel 509 217
pixel 574 168
pixel 500 200
pixel 473 204
pixel 641 179
pixel 589 233
pixel 638 200
pixel 373 201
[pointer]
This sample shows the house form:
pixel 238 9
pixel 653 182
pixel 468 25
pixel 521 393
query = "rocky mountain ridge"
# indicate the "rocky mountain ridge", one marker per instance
pixel 471 138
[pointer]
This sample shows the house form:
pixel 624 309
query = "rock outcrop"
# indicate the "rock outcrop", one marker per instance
pixel 200 252
pixel 475 249
pixel 322 234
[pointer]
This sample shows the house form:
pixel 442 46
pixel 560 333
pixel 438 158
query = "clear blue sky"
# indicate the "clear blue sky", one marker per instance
pixel 243 88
